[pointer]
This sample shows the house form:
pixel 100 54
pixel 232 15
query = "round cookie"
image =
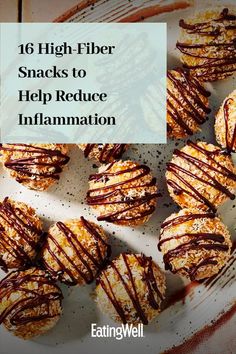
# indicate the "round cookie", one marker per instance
pixel 30 303
pixel 20 230
pixel 225 124
pixel 75 251
pixel 200 175
pixel 131 289
pixel 195 244
pixel 103 153
pixel 123 192
pixel 207 44
pixel 35 166
pixel 187 104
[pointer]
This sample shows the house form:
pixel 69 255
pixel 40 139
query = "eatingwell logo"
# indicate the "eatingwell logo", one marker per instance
pixel 120 332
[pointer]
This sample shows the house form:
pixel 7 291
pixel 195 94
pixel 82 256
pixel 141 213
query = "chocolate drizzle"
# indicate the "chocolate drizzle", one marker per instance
pixel 115 194
pixel 49 161
pixel 217 57
pixel 196 241
pixel 229 141
pixel 128 282
pixel 185 218
pixel 107 152
pixel 191 103
pixel 85 262
pixel 26 232
pixel 212 165
pixel 195 236
pixel 30 300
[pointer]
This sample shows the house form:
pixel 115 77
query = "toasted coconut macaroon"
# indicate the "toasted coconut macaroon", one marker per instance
pixel 123 192
pixel 103 153
pixel 225 124
pixel 20 233
pixel 194 243
pixel 75 251
pixel 207 44
pixel 36 166
pixel 200 175
pixel 131 289
pixel 30 303
pixel 187 104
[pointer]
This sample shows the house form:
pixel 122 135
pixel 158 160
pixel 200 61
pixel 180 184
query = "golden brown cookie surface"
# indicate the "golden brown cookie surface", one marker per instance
pixel 35 166
pixel 187 104
pixel 207 44
pixel 201 175
pixel 123 192
pixel 194 244
pixel 225 123
pixel 30 303
pixel 75 251
pixel 20 231
pixel 103 153
pixel 131 289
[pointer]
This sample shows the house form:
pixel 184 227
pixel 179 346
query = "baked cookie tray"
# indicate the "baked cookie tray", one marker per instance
pixel 191 311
